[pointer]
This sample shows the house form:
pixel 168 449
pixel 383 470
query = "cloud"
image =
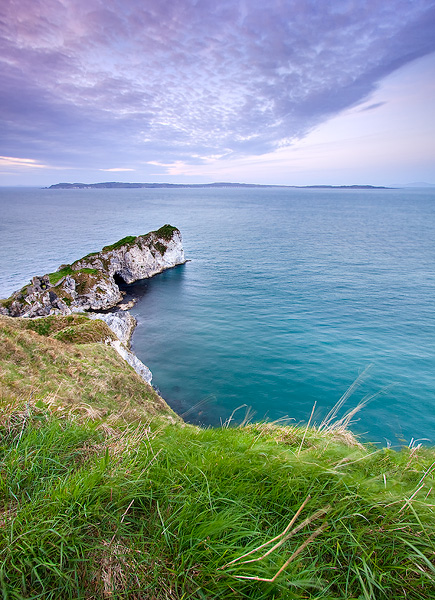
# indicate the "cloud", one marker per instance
pixel 27 163
pixel 94 82
pixel 117 169
pixel 372 106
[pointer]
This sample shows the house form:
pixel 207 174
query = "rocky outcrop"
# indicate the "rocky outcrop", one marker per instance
pixel 133 361
pixel 91 282
pixel 137 258
pixel 121 323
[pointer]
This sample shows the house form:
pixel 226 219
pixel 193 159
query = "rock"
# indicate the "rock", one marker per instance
pixel 121 323
pixel 127 305
pixel 133 361
pixel 140 257
pixel 91 291
pixel 90 283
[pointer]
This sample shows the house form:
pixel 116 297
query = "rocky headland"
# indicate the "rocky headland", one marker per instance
pixel 91 283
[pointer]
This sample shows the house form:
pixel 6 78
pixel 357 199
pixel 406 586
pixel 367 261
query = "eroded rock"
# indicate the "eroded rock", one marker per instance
pixel 121 323
pixel 90 283
pixel 133 361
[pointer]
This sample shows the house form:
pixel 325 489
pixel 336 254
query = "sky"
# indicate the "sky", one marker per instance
pixel 292 92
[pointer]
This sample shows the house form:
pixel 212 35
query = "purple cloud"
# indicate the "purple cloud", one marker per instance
pixel 142 80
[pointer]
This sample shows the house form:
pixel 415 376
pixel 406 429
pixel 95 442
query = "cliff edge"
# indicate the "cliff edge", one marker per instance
pixel 90 283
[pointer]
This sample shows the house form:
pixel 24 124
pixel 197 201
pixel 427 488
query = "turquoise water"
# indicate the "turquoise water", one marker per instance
pixel 289 295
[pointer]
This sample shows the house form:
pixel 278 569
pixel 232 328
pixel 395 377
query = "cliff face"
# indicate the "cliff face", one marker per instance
pixel 138 258
pixel 89 283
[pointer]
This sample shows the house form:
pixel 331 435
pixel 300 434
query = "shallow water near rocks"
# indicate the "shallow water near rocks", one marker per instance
pixel 289 295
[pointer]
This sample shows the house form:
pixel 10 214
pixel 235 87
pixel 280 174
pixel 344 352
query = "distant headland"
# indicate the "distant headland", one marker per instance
pixel 120 184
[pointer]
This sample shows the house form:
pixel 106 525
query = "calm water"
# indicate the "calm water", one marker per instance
pixel 289 295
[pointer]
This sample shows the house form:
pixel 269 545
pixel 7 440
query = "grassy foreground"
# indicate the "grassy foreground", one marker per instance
pixel 94 505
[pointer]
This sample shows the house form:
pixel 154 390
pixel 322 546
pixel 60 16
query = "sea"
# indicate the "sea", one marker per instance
pixel 291 299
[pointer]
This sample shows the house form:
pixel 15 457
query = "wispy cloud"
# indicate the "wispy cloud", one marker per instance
pixel 171 81
pixel 116 169
pixel 29 163
pixel 372 106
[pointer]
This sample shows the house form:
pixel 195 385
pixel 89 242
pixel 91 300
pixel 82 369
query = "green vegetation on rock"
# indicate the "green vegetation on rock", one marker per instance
pixel 86 278
pixel 166 232
pixel 87 272
pixel 67 270
pixel 129 239
pixel 58 275
pixel 19 295
pixel 160 247
pixel 6 302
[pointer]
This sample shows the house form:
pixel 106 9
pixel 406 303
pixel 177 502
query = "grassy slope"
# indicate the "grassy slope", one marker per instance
pixel 93 509
pixel 38 360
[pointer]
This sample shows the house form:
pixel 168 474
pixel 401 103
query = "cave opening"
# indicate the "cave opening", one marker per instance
pixel 120 281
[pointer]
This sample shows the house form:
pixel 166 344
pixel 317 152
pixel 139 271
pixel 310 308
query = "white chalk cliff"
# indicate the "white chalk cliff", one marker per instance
pixel 120 322
pixel 141 369
pixel 122 325
pixel 90 283
pixel 141 258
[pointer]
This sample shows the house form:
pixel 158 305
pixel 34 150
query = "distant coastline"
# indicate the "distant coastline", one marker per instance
pixel 119 184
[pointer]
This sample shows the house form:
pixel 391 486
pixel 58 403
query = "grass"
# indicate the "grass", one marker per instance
pixel 64 358
pixel 141 511
pixel 100 497
pixel 68 270
pixel 129 239
pixel 166 232
pixel 49 325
